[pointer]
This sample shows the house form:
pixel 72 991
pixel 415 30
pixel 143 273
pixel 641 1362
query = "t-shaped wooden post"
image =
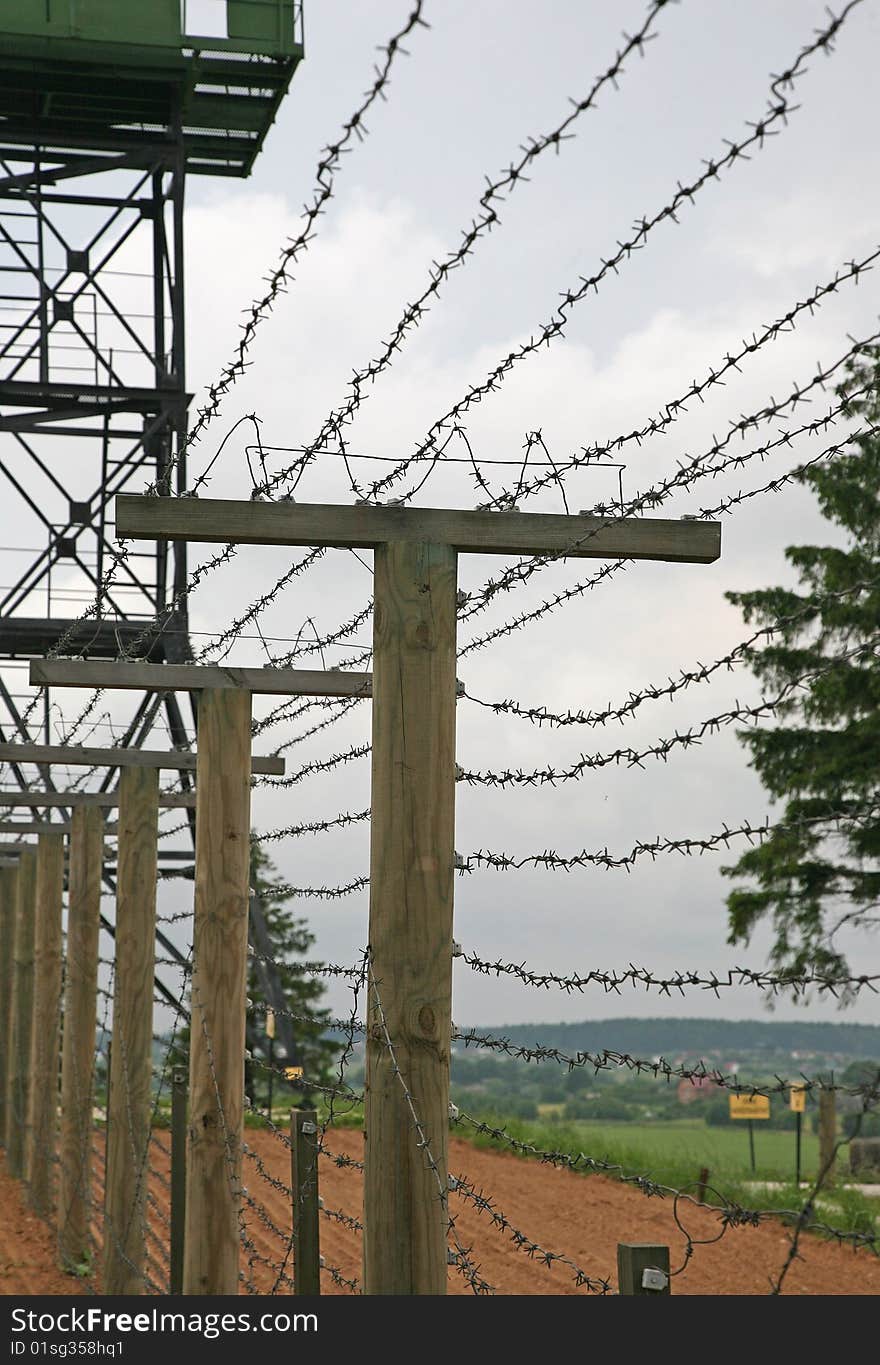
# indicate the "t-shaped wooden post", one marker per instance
pixel 413 803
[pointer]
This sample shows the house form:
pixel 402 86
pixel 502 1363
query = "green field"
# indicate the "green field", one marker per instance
pixel 689 1144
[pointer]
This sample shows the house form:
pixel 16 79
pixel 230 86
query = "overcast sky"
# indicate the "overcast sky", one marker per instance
pixel 475 87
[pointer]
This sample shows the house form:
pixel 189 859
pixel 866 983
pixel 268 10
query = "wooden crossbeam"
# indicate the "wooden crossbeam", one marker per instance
pixel 76 756
pixel 16 847
pixel 36 800
pixel 42 827
pixel 288 682
pixel 363 527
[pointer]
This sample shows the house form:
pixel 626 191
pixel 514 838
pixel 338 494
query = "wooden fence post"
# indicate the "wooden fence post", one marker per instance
pixel 411 894
pixel 827 1134
pixel 8 902
pixel 304 1183
pixel 217 1016
pixel 642 1268
pixel 78 1036
pixel 18 1081
pixel 413 800
pixel 178 1178
pixel 130 1098
pixel 43 1114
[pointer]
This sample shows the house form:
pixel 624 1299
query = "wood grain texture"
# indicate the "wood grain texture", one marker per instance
pixel 73 755
pixel 99 800
pixel 78 1038
pixel 304 1201
pixel 128 1138
pixel 217 1029
pixel 292 682
pixel 8 904
pixel 493 533
pixel 18 1081
pixel 411 895
pixel 45 1029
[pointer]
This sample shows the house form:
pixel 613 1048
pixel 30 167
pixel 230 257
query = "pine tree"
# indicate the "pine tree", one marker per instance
pixel 820 868
pixel 290 940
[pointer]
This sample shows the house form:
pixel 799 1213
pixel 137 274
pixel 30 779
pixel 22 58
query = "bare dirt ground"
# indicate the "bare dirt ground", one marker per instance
pixel 580 1217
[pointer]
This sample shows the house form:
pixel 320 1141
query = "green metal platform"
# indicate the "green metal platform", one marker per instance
pixel 113 75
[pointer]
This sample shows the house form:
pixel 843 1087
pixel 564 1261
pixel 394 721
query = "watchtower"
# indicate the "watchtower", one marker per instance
pixel 105 107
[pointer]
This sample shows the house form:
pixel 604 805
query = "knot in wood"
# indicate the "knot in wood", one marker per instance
pixel 427 1022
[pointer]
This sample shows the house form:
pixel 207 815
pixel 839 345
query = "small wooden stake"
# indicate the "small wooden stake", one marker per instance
pixel 304 1183
pixel 19 1078
pixel 78 1040
pixel 411 888
pixel 217 1028
pixel 633 1260
pixel 178 1177
pixel 8 901
pixel 130 1101
pixel 43 1118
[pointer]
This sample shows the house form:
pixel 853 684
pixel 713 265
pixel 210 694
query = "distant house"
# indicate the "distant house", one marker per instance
pixel 689 1091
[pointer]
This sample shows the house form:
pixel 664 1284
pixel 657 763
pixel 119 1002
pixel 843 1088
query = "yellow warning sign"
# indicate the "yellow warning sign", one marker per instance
pixel 293 1073
pixel 749 1106
pixel 797 1099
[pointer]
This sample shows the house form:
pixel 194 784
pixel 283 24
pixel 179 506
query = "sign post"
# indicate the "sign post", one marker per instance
pixel 797 1100
pixel 750 1107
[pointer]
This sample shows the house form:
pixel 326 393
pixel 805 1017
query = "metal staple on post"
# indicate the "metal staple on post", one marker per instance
pixel 642 1268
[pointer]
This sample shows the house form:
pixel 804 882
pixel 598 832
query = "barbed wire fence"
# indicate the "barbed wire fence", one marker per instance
pixel 265 1193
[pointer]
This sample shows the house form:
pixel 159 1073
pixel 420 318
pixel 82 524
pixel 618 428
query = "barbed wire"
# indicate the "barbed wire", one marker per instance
pixel 792 475
pixel 699 673
pixel 464 1187
pixel 590 455
pixel 823 41
pixel 778 110
pixel 277 282
pixel 318 765
pixel 608 1059
pixel 680 981
pixel 329 164
pixel 323 893
pixel 732 1213
pixel 549 859
pixel 313 827
pixel 353 974
pixel 760 130
pixel 684 739
pixel 689 472
pixel 496 191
